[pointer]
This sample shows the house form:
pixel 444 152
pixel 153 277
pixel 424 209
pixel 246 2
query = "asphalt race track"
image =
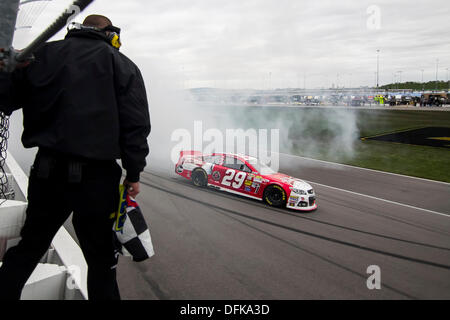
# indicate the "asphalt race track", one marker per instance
pixel 214 245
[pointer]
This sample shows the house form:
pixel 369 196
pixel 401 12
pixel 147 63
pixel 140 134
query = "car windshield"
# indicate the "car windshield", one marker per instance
pixel 261 167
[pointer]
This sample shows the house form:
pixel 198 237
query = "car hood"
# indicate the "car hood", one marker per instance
pixel 294 182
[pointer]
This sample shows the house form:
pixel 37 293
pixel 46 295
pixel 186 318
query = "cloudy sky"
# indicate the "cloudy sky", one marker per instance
pixel 272 43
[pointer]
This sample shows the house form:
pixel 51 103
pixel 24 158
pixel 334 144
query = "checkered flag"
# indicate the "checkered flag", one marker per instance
pixel 131 229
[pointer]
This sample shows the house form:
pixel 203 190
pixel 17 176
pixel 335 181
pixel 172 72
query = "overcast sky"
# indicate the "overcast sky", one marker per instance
pixel 273 43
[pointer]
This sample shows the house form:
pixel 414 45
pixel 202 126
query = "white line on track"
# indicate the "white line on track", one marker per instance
pixel 381 199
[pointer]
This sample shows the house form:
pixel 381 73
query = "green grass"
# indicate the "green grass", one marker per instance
pixel 374 122
pixel 318 127
pixel 418 161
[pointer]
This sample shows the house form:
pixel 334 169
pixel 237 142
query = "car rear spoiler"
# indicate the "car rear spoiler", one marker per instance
pixel 190 153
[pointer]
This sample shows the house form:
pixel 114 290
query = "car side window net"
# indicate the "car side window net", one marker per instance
pixel 233 163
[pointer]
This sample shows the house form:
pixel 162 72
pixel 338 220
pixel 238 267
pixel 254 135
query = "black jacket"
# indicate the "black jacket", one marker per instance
pixel 81 96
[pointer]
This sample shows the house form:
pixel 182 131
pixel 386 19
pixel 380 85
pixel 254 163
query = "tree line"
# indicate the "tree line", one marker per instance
pixel 418 86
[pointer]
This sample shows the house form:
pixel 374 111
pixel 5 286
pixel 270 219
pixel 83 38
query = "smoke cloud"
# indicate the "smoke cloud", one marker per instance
pixel 309 132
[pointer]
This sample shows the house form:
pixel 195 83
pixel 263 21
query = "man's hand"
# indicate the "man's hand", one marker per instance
pixel 133 188
pixel 3 62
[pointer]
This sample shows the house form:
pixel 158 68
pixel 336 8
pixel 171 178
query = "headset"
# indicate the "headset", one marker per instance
pixel 112 33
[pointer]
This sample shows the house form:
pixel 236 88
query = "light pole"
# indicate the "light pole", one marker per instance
pixel 422 81
pixel 448 83
pixel 378 66
pixel 394 81
pixel 437 70
pixel 399 79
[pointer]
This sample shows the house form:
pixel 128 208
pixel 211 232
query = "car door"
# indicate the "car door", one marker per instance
pixel 251 185
pixel 230 175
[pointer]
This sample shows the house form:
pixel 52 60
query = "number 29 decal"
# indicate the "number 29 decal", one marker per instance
pixel 234 179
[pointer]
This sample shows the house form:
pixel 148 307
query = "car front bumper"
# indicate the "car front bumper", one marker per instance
pixel 302 202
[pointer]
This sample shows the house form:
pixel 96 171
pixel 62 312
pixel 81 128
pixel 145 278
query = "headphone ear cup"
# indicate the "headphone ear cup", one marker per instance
pixel 114 38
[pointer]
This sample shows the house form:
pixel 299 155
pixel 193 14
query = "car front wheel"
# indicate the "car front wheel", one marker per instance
pixel 275 196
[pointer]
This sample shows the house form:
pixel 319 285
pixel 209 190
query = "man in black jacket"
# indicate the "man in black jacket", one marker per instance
pixel 84 105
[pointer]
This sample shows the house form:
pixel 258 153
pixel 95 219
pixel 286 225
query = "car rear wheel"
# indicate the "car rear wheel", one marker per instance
pixel 199 178
pixel 275 196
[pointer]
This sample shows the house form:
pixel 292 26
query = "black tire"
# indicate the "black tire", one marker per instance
pixel 199 178
pixel 275 196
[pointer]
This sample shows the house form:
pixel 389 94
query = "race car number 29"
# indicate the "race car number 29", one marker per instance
pixel 231 175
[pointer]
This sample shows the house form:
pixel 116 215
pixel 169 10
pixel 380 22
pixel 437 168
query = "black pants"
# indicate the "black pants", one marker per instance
pixel 54 192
